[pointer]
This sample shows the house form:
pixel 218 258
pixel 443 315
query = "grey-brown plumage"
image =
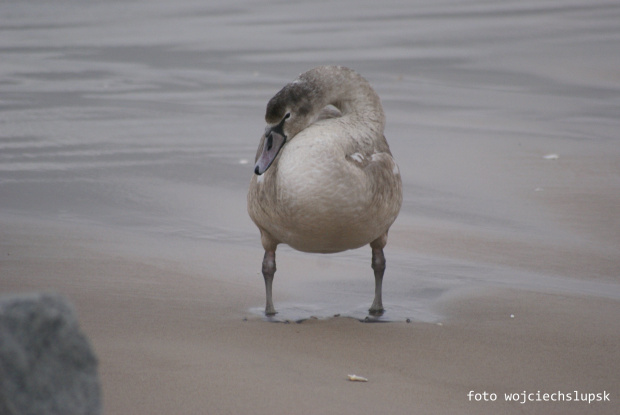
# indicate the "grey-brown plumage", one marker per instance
pixel 325 180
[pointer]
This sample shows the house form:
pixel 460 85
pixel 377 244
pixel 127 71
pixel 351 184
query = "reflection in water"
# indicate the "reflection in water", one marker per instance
pixel 298 313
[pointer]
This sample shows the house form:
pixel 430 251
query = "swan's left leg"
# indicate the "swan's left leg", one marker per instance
pixel 269 269
pixel 378 266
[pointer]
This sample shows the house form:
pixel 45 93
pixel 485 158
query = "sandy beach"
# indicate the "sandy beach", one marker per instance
pixel 128 132
pixel 171 339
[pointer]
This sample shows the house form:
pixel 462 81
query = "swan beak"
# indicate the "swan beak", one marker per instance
pixel 274 141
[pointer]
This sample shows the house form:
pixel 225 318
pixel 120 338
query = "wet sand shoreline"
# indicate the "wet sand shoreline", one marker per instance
pixel 127 137
pixel 173 341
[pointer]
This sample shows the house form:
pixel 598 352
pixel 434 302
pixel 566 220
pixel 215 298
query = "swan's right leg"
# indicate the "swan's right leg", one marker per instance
pixel 378 266
pixel 269 269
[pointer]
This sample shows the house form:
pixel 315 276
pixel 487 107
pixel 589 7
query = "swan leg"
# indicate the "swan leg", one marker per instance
pixel 269 269
pixel 378 266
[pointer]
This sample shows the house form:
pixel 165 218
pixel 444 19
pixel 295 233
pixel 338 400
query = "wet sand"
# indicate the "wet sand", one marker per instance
pixel 174 340
pixel 128 135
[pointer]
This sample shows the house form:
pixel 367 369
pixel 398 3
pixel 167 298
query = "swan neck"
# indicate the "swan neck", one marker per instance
pixel 351 94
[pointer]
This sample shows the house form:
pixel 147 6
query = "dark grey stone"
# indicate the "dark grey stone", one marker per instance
pixel 47 365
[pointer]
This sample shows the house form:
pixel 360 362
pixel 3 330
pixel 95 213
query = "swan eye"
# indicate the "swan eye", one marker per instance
pixel 287 116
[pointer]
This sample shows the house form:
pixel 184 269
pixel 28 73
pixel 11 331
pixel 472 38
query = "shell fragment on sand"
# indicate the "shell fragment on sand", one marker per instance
pixel 355 378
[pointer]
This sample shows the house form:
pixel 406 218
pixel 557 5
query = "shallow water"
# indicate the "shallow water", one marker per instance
pixel 145 116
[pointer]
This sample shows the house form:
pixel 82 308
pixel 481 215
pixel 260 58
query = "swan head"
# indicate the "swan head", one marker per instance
pixel 291 110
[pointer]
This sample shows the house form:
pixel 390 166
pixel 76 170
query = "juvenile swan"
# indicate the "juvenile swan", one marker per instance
pixel 325 180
